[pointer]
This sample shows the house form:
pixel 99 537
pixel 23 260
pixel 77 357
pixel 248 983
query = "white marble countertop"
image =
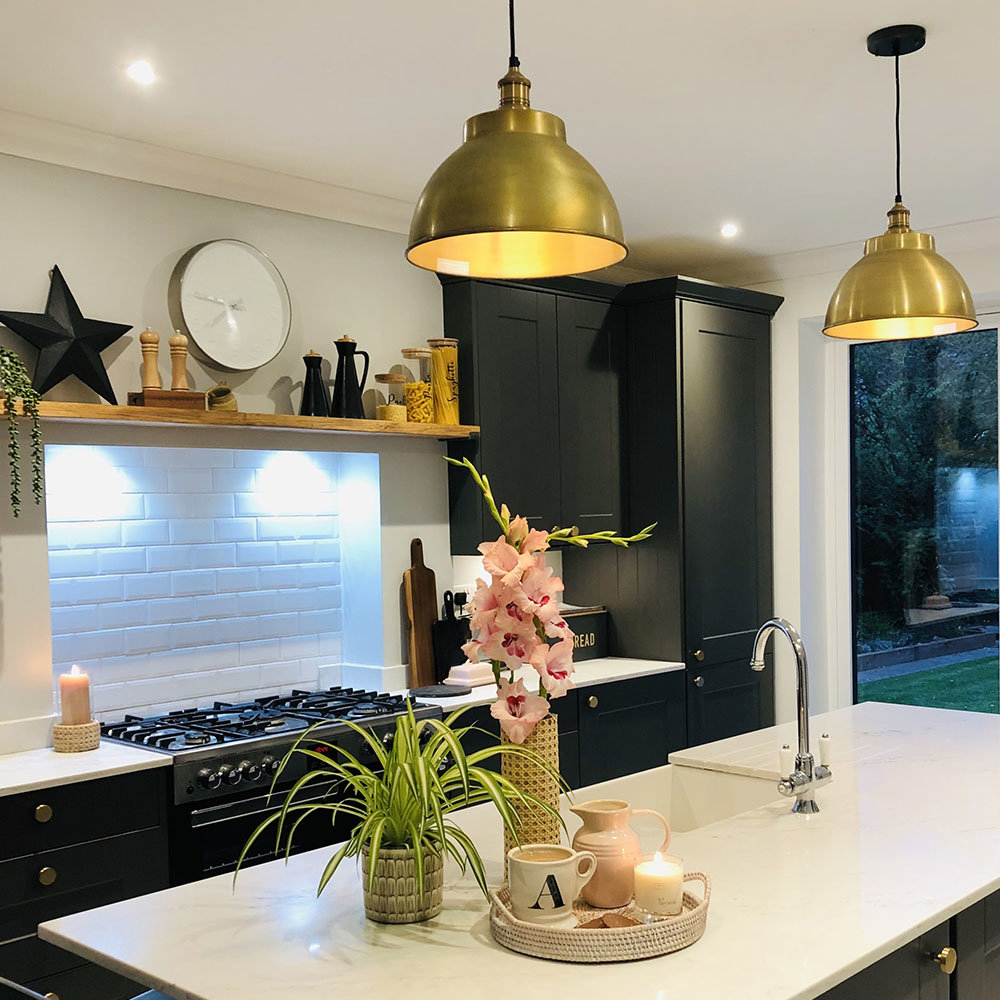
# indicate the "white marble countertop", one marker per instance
pixel 756 754
pixel 588 672
pixel 32 769
pixel 909 834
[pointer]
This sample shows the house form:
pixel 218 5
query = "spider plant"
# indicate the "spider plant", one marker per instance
pixel 404 800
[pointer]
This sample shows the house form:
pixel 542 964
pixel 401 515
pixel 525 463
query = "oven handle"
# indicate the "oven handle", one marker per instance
pixel 259 804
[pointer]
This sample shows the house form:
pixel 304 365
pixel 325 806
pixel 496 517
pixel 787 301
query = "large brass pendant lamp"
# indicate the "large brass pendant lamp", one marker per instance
pixel 514 200
pixel 901 288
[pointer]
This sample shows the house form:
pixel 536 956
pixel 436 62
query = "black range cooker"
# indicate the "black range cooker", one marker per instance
pixel 225 758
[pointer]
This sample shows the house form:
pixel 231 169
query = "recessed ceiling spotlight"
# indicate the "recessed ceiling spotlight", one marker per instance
pixel 729 230
pixel 140 71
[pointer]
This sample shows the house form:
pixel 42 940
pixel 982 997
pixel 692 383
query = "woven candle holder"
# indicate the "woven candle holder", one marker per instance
pixel 75 739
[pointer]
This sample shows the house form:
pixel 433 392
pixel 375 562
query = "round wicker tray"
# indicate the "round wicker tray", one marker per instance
pixel 604 944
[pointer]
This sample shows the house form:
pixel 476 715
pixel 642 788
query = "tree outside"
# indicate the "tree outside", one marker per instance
pixel 924 418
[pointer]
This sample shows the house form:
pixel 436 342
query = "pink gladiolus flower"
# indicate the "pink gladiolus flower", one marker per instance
pixel 503 562
pixel 542 589
pixel 484 605
pixel 517 532
pixel 555 667
pixel 518 711
pixel 536 541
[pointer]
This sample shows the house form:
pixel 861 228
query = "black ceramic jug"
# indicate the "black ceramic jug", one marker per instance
pixel 315 395
pixel 346 389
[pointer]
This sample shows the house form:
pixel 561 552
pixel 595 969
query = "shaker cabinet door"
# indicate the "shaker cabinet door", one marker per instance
pixel 726 463
pixel 977 940
pixel 518 403
pixel 591 370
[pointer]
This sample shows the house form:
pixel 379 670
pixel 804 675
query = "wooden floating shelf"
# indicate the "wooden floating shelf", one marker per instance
pixel 95 412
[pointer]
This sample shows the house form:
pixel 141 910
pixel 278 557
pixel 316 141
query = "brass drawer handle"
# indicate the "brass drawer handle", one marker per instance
pixel 699 655
pixel 947 960
pixel 47 876
pixel 43 813
pixel 592 701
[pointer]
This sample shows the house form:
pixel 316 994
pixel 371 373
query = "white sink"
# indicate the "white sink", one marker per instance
pixel 688 797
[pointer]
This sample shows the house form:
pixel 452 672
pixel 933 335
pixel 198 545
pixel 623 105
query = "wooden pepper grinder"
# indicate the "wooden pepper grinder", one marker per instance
pixel 178 361
pixel 149 342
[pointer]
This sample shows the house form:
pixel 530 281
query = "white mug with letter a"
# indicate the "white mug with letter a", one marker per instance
pixel 545 879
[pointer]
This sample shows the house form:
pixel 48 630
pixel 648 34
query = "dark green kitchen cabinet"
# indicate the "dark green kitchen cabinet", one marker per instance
pixel 909 973
pixel 540 372
pixel 698 455
pixel 976 938
pixel 606 730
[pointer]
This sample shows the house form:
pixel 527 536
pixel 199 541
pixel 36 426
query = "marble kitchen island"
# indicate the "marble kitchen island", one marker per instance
pixel 908 836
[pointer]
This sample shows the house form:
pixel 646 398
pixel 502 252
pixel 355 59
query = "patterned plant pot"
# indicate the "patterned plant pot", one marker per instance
pixel 394 899
pixel 535 827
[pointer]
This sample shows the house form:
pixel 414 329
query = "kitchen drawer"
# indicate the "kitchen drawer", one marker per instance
pixel 73 814
pixel 86 875
pixel 27 958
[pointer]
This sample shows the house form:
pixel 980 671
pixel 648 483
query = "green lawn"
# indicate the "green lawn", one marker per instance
pixel 973 686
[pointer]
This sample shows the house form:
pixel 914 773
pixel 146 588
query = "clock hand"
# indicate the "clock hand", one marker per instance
pixel 225 312
pixel 208 298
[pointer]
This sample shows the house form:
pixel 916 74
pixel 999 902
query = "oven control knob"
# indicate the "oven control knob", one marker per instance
pixel 209 779
pixel 251 771
pixel 387 739
pixel 270 765
pixel 231 775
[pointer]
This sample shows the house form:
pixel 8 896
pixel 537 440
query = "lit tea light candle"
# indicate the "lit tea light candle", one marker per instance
pixel 659 885
pixel 74 693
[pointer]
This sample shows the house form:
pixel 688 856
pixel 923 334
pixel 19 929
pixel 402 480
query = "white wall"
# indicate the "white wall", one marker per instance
pixel 810 391
pixel 116 242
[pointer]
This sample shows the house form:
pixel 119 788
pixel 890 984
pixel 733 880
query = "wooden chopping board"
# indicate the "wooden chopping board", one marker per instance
pixel 420 591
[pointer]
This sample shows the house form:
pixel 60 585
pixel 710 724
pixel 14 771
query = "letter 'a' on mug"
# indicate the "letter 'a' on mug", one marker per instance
pixel 545 880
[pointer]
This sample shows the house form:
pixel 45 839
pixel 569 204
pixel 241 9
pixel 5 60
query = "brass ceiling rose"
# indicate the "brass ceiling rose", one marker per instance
pixel 901 288
pixel 515 200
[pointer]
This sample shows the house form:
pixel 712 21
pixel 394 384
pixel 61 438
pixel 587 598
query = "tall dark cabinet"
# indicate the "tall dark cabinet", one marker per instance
pixel 698 454
pixel 542 368
pixel 653 403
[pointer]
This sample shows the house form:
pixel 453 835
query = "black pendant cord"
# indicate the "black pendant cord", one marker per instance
pixel 899 196
pixel 514 61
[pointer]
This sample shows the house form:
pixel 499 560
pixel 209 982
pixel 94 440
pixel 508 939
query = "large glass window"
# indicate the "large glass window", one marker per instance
pixel 924 508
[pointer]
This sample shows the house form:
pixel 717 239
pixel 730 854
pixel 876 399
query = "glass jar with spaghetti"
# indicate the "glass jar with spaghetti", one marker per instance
pixel 444 379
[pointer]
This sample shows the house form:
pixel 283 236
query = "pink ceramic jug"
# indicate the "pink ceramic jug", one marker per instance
pixel 607 834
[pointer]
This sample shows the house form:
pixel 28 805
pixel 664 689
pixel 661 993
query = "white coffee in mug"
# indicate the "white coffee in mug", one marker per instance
pixel 545 879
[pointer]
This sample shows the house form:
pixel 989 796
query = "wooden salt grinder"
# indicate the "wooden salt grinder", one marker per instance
pixel 178 360
pixel 149 342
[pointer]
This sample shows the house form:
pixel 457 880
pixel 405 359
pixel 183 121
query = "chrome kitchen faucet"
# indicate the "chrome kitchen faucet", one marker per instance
pixel 808 775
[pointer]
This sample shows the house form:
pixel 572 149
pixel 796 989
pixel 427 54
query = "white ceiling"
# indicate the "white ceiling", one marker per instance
pixel 770 113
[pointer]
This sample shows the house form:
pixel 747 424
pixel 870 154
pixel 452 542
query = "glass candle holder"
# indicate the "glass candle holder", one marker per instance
pixel 659 885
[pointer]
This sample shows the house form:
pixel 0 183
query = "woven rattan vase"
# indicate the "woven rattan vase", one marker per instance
pixel 394 899
pixel 536 827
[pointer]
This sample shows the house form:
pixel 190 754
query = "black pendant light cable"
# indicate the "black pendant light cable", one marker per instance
pixel 514 61
pixel 899 196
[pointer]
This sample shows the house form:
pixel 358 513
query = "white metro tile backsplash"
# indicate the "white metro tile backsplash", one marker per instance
pixel 180 575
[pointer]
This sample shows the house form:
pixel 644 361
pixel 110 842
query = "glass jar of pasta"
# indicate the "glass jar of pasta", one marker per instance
pixel 394 408
pixel 444 379
pixel 419 396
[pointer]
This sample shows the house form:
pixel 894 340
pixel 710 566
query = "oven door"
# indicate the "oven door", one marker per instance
pixel 208 839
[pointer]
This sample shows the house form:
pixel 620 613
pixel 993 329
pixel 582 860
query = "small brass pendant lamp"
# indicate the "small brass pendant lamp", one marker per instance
pixel 515 200
pixel 901 288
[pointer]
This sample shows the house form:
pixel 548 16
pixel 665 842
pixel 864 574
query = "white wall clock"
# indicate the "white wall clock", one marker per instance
pixel 233 303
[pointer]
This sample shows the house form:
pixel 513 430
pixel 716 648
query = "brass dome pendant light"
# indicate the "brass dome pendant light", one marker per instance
pixel 515 200
pixel 901 288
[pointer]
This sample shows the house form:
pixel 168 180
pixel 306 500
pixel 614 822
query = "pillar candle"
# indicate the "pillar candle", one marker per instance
pixel 74 693
pixel 659 885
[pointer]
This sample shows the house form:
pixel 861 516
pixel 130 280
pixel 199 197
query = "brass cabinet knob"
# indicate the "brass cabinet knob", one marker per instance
pixel 699 681
pixel 43 813
pixel 699 655
pixel 592 701
pixel 52 996
pixel 47 876
pixel 947 960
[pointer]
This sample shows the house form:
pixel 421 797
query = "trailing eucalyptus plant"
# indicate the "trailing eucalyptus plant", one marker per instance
pixel 16 388
pixel 404 799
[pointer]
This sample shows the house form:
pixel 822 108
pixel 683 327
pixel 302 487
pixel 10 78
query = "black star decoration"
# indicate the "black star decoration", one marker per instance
pixel 68 344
